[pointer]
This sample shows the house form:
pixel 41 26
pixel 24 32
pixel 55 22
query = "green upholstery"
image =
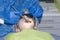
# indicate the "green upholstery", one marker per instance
pixel 57 4
pixel 29 35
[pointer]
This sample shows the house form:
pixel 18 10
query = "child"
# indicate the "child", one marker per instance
pixel 25 30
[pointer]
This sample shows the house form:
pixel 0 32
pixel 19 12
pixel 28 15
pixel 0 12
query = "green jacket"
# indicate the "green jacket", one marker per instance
pixel 29 35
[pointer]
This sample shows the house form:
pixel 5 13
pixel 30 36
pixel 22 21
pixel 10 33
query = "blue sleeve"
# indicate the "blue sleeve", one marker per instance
pixel 9 15
pixel 5 29
pixel 36 10
pixel 5 10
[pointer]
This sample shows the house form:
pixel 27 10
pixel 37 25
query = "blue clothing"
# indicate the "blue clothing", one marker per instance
pixel 5 29
pixel 11 16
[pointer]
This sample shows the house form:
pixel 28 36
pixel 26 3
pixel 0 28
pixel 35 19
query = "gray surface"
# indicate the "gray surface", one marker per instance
pixel 50 20
pixel 2 38
pixel 50 24
pixel 58 1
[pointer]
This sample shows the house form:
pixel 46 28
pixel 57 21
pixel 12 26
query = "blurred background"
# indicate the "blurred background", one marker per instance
pixel 51 16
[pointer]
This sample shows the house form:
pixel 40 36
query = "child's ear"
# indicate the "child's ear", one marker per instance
pixel 35 28
pixel 17 30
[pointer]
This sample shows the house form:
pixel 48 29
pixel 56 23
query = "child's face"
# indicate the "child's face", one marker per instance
pixel 26 25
